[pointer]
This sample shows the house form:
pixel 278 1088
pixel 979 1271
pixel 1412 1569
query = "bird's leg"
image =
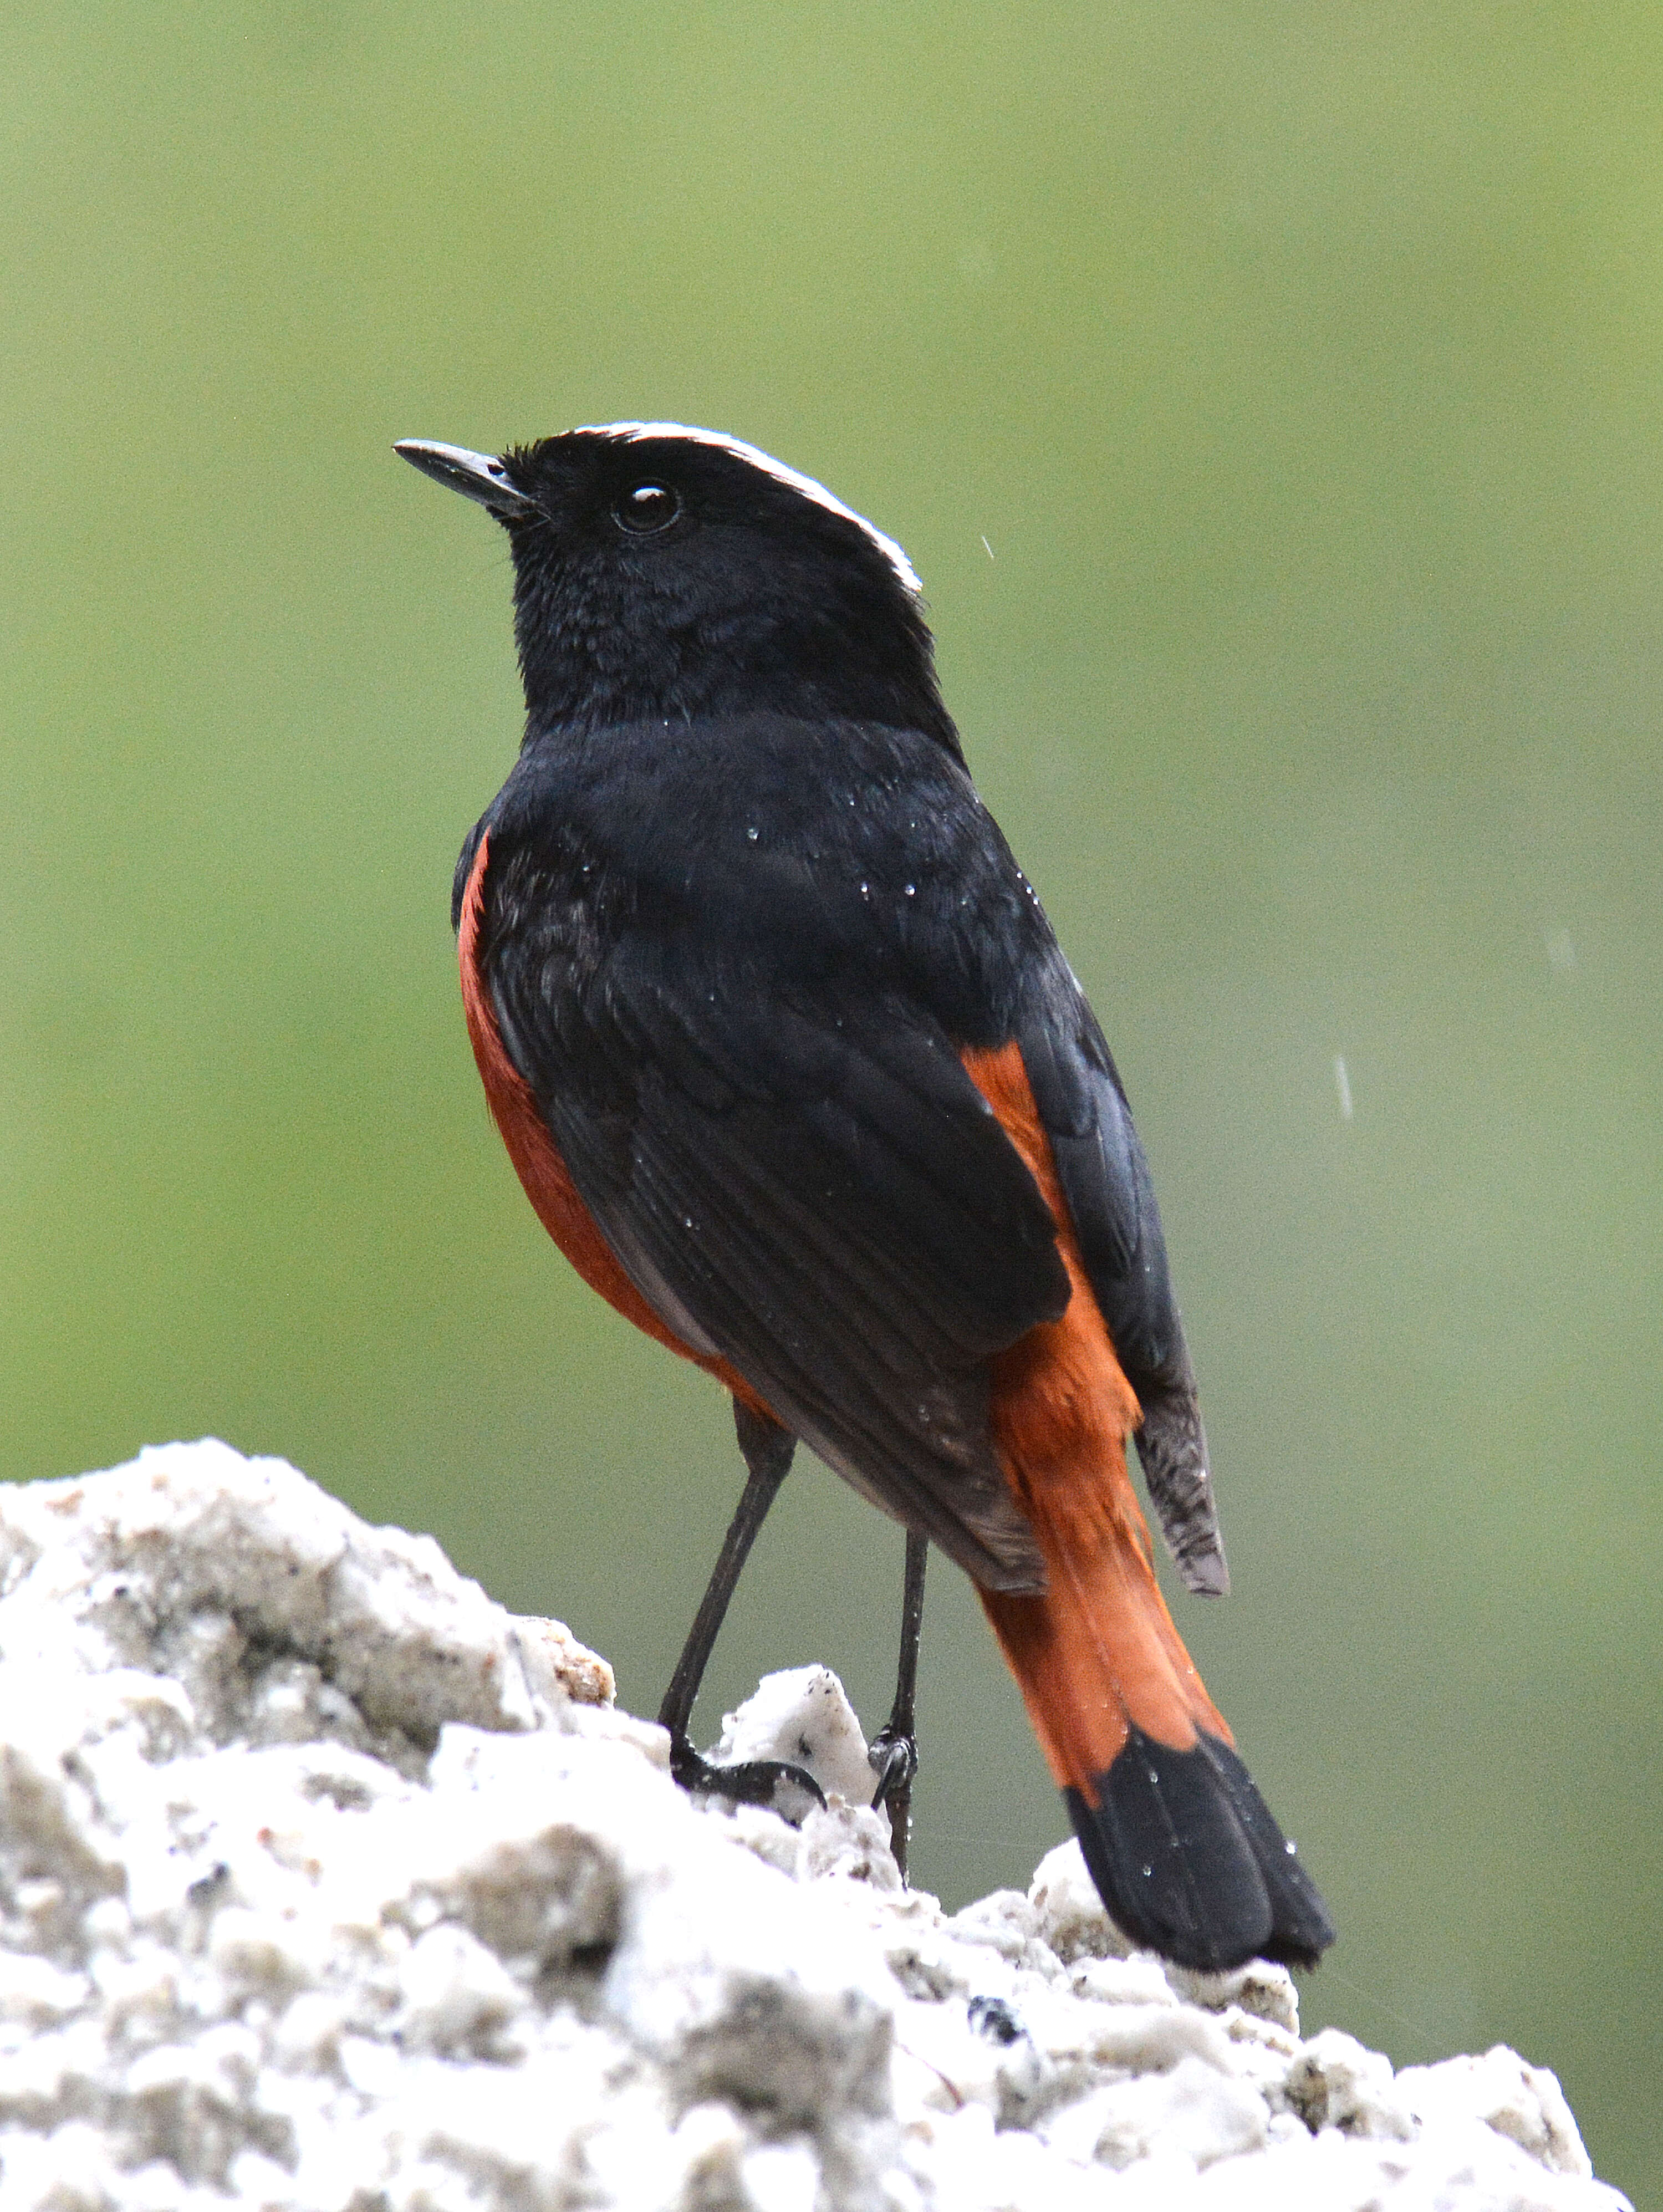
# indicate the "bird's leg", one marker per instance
pixel 767 1448
pixel 894 1754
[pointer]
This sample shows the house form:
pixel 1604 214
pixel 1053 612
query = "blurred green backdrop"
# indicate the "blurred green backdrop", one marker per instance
pixel 1299 367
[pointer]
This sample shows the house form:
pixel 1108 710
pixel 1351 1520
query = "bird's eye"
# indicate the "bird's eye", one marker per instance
pixel 647 508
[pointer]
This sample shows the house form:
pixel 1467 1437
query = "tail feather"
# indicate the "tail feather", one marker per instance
pixel 1181 1846
pixel 1186 1854
pixel 1189 1860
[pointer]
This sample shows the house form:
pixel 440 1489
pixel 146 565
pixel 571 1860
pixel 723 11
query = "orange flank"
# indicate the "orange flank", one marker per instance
pixel 541 1168
pixel 1097 1651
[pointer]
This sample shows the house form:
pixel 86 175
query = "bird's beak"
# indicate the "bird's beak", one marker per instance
pixel 479 476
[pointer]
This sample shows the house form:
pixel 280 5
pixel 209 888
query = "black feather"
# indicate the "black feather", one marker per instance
pixel 1189 1862
pixel 747 1048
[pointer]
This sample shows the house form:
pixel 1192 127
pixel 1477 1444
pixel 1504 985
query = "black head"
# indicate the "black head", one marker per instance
pixel 666 572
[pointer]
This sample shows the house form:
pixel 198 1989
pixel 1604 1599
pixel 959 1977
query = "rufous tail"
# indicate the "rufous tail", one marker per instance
pixel 1184 1851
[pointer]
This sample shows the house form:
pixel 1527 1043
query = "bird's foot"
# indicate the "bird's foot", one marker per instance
pixel 752 1781
pixel 894 1758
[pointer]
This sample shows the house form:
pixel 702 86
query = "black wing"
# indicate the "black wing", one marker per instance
pixel 803 1179
pixel 1106 1181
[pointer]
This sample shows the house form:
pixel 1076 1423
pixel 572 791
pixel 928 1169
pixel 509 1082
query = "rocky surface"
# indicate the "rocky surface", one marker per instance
pixel 325 1883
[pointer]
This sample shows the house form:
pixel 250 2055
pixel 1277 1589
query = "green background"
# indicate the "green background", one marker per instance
pixel 1300 366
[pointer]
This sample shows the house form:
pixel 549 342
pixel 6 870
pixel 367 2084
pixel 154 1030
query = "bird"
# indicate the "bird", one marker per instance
pixel 794 1070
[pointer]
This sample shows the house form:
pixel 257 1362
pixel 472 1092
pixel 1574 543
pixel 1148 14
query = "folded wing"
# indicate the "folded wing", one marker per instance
pixel 809 1184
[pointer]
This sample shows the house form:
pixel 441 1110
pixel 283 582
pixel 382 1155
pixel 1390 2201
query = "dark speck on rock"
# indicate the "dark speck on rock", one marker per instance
pixel 993 2018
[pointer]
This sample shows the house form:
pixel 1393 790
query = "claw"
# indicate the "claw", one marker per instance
pixel 752 1782
pixel 894 1759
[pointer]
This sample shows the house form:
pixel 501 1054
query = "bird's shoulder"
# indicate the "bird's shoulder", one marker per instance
pixel 799 848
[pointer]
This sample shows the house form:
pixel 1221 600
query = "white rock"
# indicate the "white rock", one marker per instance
pixel 1193 2114
pixel 1069 1915
pixel 1524 2102
pixel 326 1885
pixel 847 1843
pixel 1261 1989
pixel 1335 2083
pixel 802 1716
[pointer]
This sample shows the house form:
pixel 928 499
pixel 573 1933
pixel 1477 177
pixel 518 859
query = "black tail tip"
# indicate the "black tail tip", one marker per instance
pixel 1189 1862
